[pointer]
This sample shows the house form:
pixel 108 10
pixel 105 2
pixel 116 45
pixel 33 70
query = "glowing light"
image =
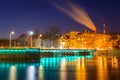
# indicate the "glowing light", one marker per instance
pixel 31 32
pixel 12 73
pixel 115 62
pixel 12 32
pixel 78 38
pixel 100 61
pixel 83 61
pixel 78 61
pixel 31 73
pixel 40 73
pixel 63 74
pixel 31 41
pixel 81 70
pixel 61 47
pixel 63 64
pixel 102 68
pixel 78 14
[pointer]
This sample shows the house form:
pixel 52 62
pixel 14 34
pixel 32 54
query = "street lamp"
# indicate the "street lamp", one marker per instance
pixel 39 40
pixel 31 33
pixel 11 33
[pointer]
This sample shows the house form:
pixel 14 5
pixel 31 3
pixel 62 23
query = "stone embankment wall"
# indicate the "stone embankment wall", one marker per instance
pixel 115 53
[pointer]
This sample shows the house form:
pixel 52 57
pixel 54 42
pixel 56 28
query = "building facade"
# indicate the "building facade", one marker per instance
pixel 86 40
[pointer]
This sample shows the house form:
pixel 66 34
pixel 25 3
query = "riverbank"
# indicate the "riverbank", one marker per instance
pixel 115 53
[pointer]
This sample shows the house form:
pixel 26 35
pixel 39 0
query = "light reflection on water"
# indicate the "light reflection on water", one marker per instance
pixel 115 62
pixel 81 70
pixel 63 68
pixel 63 64
pixel 102 69
pixel 98 68
pixel 40 73
pixel 12 73
pixel 31 73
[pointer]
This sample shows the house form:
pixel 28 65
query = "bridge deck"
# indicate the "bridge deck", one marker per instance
pixel 48 52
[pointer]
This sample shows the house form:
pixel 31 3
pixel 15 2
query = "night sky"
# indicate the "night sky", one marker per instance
pixel 24 15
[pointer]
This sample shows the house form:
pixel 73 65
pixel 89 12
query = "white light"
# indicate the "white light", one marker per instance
pixel 31 71
pixel 63 64
pixel 31 32
pixel 63 74
pixel 60 47
pixel 12 32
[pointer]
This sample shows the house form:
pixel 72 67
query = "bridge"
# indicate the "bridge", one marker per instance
pixel 48 52
pixel 41 56
pixel 28 54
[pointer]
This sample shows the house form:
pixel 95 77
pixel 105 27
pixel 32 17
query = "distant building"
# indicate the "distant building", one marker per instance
pixel 85 39
pixel 70 40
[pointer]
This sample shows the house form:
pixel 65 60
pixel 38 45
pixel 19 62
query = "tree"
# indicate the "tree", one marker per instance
pixel 4 42
pixel 22 40
pixel 51 37
pixel 36 31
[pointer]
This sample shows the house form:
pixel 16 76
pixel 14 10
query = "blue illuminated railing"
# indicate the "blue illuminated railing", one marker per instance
pixel 50 52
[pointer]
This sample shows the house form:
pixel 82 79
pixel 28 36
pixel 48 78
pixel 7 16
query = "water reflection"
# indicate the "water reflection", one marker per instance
pixel 102 70
pixel 63 64
pixel 63 70
pixel 31 73
pixel 40 73
pixel 81 73
pixel 98 68
pixel 13 73
pixel 115 62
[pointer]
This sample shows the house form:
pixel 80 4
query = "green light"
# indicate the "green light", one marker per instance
pixel 40 51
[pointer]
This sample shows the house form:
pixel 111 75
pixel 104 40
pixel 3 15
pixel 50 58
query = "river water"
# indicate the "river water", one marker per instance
pixel 96 68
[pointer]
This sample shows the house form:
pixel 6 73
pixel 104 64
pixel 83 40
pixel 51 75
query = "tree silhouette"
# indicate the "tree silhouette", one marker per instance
pixel 51 37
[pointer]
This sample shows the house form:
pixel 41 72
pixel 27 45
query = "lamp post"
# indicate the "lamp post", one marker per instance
pixel 11 33
pixel 39 40
pixel 31 33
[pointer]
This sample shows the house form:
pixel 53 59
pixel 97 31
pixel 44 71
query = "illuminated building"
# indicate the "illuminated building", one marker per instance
pixel 85 40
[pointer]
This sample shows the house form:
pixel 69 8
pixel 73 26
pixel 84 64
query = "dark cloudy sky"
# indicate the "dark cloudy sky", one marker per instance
pixel 24 15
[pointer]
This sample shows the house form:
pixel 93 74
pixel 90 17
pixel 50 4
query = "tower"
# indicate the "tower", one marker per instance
pixel 104 27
